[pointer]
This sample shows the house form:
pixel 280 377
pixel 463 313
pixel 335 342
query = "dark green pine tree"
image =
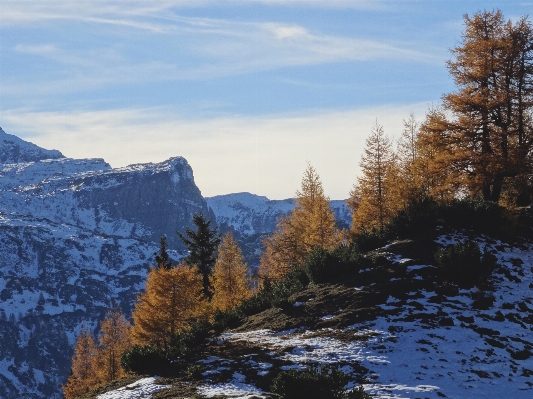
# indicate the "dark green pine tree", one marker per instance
pixel 162 259
pixel 202 245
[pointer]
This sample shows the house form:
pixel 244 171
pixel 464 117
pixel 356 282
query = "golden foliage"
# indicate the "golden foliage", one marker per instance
pixel 84 376
pixel 94 364
pixel 172 297
pixel 374 199
pixel 229 280
pixel 488 124
pixel 114 341
pixel 311 223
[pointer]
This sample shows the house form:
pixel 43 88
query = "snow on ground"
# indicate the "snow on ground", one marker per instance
pixel 424 345
pixel 237 389
pixel 141 389
pixel 429 345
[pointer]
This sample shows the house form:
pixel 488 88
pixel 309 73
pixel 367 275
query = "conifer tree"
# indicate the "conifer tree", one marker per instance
pixel 311 224
pixel 488 127
pixel 408 184
pixel 202 245
pixel 113 342
pixel 437 172
pixel 84 373
pixel 372 200
pixel 172 297
pixel 162 259
pixel 230 280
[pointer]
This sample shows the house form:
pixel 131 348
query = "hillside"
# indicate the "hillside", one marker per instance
pixel 395 327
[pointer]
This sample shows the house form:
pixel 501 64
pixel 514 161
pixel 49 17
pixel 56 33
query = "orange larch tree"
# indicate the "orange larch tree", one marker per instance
pixel 230 275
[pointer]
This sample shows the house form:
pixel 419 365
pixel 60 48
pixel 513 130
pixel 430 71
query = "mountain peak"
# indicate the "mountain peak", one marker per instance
pixel 15 150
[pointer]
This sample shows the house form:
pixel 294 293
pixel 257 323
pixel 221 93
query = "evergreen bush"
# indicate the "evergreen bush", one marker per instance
pixel 324 266
pixel 189 340
pixel 144 359
pixel 315 382
pixel 367 240
pixel 464 263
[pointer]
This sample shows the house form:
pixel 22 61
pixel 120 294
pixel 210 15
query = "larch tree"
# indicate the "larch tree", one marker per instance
pixel 84 373
pixel 488 119
pixel 437 167
pixel 311 224
pixel 372 199
pixel 230 275
pixel 114 340
pixel 172 297
pixel 409 184
pixel 202 245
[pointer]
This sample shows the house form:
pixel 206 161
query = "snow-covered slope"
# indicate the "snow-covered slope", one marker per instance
pixel 75 236
pixel 247 213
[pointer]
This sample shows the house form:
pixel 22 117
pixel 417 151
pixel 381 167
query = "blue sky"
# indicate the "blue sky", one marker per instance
pixel 247 91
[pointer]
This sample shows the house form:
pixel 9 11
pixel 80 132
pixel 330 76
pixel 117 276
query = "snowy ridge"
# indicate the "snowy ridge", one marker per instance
pixel 15 150
pixel 250 214
pixel 425 345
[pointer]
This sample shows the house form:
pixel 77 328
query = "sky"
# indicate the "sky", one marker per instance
pixel 248 91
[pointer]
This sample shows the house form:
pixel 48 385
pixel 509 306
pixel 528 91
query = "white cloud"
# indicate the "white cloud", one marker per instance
pixel 15 12
pixel 218 47
pixel 264 154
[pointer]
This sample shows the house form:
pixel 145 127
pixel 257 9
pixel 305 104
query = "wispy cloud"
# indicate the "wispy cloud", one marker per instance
pixel 264 154
pixel 16 12
pixel 217 47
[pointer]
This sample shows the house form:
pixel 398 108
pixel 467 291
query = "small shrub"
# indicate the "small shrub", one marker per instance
pixel 464 264
pixel 189 340
pixel 226 319
pixel 194 371
pixel 356 393
pixel 144 359
pixel 317 382
pixel 419 218
pixel 324 266
pixel 368 240
pixel 474 213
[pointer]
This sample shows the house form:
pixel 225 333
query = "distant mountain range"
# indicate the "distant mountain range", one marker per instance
pixel 77 235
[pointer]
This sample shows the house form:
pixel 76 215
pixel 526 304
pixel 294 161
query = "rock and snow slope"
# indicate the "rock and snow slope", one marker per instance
pixel 75 235
pixel 429 341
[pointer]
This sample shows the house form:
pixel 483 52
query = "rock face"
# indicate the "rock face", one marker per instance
pixel 75 236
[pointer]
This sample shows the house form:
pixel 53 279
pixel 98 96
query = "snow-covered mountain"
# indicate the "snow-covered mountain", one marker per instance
pixel 14 150
pixel 248 214
pixel 75 236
